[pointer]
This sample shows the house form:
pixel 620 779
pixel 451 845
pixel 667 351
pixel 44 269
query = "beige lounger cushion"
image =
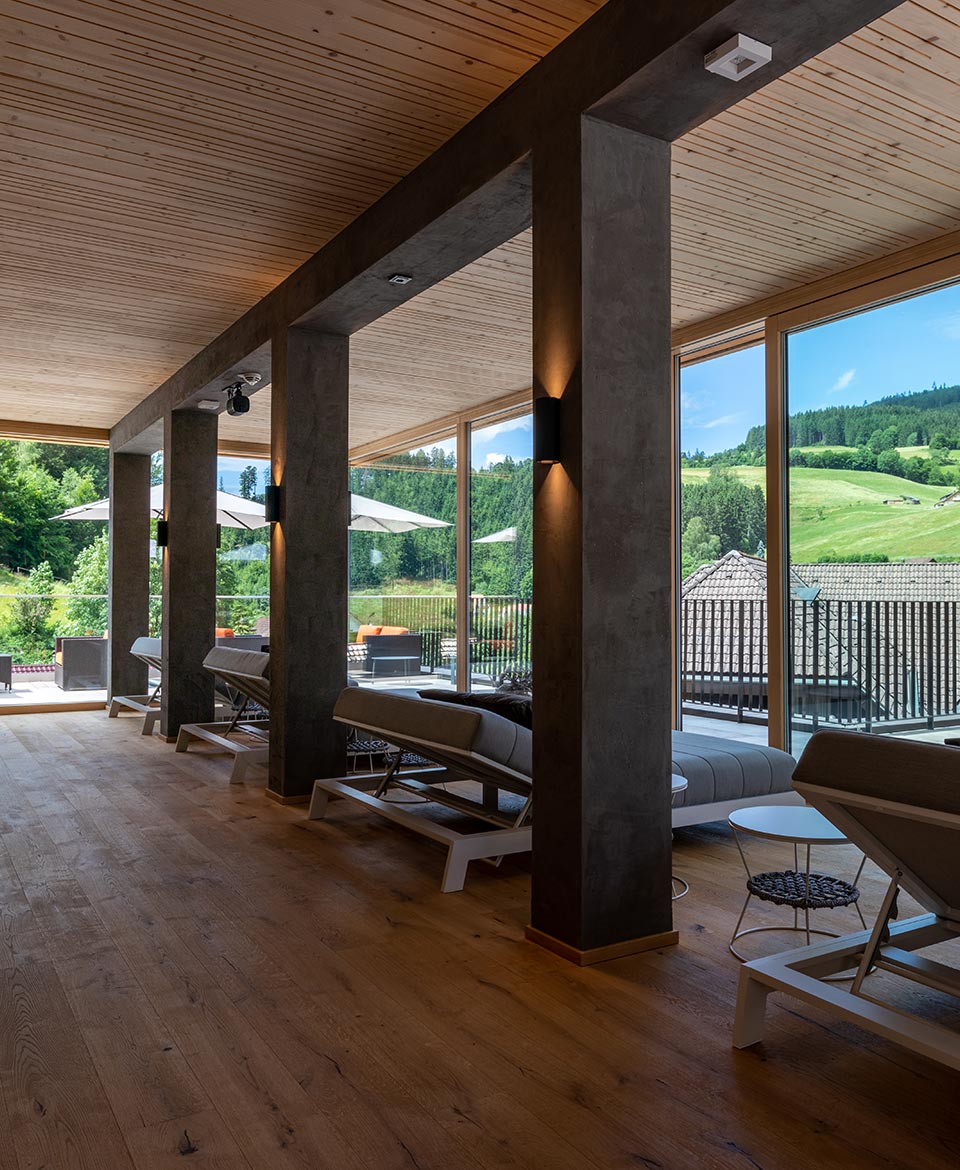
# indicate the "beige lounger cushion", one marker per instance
pixel 905 770
pixel 249 662
pixel 461 729
pixel 149 646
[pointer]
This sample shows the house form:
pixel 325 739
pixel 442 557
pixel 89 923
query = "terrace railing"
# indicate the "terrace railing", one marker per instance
pixel 499 628
pixel 869 664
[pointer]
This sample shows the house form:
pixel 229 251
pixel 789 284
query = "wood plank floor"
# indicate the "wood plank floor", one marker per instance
pixel 191 975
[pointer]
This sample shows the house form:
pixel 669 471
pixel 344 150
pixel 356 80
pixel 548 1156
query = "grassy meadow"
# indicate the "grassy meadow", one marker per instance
pixel 843 513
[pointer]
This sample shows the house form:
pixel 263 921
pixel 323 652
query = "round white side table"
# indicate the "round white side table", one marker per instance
pixel 800 890
pixel 678 784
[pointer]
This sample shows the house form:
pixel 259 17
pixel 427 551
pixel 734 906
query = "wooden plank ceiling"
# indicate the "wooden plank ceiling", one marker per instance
pixel 165 165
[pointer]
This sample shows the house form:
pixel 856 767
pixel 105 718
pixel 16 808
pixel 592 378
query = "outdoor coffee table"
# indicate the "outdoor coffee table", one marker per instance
pixel 800 890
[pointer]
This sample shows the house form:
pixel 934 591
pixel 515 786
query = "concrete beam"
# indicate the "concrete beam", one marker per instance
pixel 129 604
pixel 638 64
pixel 189 567
pixel 601 543
pixel 308 559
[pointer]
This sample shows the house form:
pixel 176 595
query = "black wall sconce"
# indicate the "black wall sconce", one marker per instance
pixel 546 429
pixel 271 503
pixel 163 533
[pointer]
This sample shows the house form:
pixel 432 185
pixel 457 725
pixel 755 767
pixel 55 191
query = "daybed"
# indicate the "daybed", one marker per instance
pixel 722 774
pixel 487 739
pixel 899 801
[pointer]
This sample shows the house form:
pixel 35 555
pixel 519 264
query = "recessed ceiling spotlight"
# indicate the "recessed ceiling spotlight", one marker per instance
pixel 399 278
pixel 253 379
pixel 738 57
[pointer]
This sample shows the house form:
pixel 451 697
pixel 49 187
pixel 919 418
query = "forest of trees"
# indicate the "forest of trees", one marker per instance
pixel 37 481
pixel 928 418
pixel 425 482
pixel 717 515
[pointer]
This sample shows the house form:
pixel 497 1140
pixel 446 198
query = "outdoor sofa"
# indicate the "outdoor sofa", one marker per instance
pixel 80 664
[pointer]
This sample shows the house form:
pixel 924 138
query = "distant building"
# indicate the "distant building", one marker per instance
pixel 869 640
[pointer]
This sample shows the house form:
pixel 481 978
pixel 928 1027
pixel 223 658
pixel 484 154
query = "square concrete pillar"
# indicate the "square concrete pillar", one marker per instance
pixel 129 604
pixel 601 556
pixel 189 567
pixel 308 559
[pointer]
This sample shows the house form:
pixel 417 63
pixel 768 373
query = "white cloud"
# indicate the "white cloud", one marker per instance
pixel 843 381
pixel 725 420
pixel 493 457
pixel 486 434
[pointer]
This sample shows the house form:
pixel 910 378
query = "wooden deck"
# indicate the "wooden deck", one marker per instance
pixel 192 975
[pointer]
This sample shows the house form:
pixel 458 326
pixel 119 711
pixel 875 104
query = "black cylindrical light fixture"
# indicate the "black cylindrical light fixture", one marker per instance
pixel 163 533
pixel 271 503
pixel 546 429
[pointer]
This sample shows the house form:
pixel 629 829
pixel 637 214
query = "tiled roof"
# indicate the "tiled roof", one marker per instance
pixel 738 575
pixel 884 582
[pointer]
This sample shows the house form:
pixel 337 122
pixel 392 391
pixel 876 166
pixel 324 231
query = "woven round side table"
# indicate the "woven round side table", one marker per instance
pixel 800 890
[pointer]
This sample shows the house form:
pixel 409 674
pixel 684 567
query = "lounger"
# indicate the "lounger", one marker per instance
pixel 244 675
pixel 899 801
pixel 463 744
pixel 726 774
pixel 147 650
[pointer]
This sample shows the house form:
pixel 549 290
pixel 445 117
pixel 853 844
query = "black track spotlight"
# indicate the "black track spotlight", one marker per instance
pixel 237 401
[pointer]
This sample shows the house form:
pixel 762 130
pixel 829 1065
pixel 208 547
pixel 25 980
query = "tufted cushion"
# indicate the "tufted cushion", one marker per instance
pixel 727 769
pixel 515 707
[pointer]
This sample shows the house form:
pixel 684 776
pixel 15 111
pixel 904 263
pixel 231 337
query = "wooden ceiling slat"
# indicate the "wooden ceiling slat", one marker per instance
pixel 166 163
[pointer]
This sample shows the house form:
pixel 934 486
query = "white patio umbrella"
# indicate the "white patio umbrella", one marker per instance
pixel 368 515
pixel 232 511
pixel 504 536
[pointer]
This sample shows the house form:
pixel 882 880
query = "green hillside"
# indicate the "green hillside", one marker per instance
pixel 842 512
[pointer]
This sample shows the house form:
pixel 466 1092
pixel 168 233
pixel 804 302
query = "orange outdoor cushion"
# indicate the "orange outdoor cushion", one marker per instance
pixel 368 632
pixel 394 630
pixel 224 632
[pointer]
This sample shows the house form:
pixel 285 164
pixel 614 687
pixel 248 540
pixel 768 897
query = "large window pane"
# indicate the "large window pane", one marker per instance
pixel 403 569
pixel 874 529
pixel 722 631
pixel 501 534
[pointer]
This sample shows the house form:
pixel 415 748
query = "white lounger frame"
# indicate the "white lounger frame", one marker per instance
pixel 704 814
pixel 888 947
pixel 462 848
pixel 254 688
pixel 146 705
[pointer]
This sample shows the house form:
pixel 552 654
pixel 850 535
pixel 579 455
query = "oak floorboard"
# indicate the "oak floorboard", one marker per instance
pixel 191 974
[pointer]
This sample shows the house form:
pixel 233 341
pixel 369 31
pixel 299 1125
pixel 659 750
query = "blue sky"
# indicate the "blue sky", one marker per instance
pixel 490 445
pixel 898 348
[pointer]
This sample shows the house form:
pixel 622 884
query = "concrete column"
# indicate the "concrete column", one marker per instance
pixel 189 567
pixel 308 559
pixel 601 613
pixel 129 605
